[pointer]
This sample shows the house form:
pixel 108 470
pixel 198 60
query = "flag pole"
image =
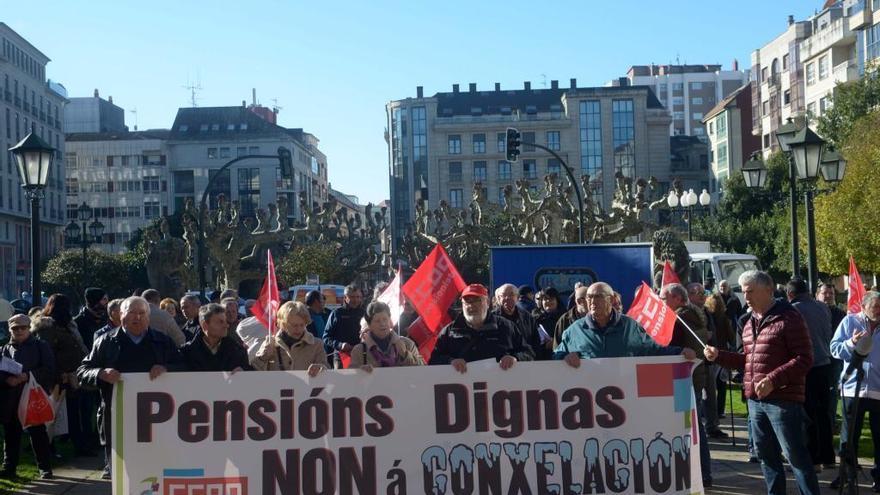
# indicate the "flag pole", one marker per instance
pixel 690 330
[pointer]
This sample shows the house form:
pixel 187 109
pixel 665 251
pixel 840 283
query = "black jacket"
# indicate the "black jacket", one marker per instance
pixel 495 340
pixel 35 356
pixel 524 324
pixel 87 323
pixel 230 355
pixel 190 329
pixel 343 327
pixel 116 350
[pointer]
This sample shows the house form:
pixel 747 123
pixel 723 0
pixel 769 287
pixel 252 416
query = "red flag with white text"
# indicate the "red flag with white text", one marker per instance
pixel 434 287
pixel 424 337
pixel 669 275
pixel 653 314
pixel 267 303
pixel 856 289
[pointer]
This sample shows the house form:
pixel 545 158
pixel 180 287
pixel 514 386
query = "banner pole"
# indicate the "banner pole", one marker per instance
pixel 691 331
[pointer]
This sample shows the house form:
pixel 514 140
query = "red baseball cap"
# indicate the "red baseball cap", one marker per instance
pixel 475 290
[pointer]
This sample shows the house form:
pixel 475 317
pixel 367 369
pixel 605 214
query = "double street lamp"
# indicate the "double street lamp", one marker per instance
pixel 687 200
pixel 34 157
pixel 83 236
pixel 808 155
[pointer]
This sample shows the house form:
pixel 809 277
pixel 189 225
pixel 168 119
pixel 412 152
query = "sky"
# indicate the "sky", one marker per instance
pixel 332 66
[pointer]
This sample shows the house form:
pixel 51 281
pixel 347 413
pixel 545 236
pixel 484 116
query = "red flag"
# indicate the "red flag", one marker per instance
pixel 424 337
pixel 669 275
pixel 433 287
pixel 856 289
pixel 393 297
pixel 344 359
pixel 653 314
pixel 267 304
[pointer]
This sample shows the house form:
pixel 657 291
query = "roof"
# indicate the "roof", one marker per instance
pixel 725 103
pixel 524 100
pixel 213 123
pixel 160 134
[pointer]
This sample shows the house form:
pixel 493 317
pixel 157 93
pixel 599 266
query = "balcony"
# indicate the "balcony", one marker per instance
pixel 861 19
pixel 845 72
pixel 837 33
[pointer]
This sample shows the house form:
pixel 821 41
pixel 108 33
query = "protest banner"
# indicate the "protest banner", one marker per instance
pixel 624 425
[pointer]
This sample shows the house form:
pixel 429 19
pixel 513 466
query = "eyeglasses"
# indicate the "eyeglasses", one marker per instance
pixel 596 296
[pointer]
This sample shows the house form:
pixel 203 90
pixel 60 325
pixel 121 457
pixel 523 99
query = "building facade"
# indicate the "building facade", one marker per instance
pixel 30 103
pixel 440 146
pixel 864 21
pixel 123 177
pixel 687 91
pixel 93 115
pixel 731 142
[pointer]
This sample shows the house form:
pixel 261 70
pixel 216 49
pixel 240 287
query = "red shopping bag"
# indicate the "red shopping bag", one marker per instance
pixel 34 407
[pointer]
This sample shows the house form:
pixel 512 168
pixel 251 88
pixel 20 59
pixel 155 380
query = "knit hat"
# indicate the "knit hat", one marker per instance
pixel 94 295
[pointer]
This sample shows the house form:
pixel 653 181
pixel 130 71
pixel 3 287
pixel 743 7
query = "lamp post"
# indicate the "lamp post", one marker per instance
pixel 783 136
pixel 687 201
pixel 808 154
pixel 34 157
pixel 83 236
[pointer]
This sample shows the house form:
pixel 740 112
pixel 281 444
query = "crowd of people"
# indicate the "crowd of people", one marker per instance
pixel 788 352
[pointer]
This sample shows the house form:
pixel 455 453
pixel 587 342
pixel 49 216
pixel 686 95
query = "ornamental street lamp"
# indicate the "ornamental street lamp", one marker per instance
pixel 84 236
pixel 34 157
pixel 784 135
pixel 687 201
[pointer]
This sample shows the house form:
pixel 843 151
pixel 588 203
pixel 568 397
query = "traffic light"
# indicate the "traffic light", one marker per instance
pixel 513 144
pixel 286 162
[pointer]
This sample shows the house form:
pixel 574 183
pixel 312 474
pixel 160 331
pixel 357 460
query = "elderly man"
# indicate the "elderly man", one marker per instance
pixel 849 333
pixel 574 314
pixel 212 349
pixel 732 303
pixel 778 356
pixel 34 356
pixel 343 330
pixel 821 378
pixel 478 334
pixel 693 316
pixel 604 332
pixel 135 347
pixel 160 320
pixel 114 315
pixel 189 306
pixel 506 307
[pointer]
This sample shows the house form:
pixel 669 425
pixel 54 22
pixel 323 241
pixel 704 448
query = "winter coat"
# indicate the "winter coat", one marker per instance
pixel 298 357
pixel 524 324
pixel 566 320
pixel 162 322
pixel 198 357
pixel 64 341
pixel 343 327
pixel 777 347
pixel 316 328
pixel 87 323
pixel 190 329
pixel 621 337
pixel 725 336
pixel 842 348
pixel 496 339
pixel 34 356
pixel 818 318
pixel 407 352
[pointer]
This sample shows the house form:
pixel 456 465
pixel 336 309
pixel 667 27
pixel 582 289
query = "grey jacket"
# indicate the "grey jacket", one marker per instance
pixel 818 318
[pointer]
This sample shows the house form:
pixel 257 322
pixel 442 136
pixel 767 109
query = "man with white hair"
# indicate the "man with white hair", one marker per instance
pixel 777 356
pixel 478 334
pixel 506 307
pixel 132 348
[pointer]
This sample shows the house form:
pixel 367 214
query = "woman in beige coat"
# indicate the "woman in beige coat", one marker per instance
pixel 381 347
pixel 292 347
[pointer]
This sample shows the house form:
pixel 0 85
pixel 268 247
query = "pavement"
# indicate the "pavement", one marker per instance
pixel 732 472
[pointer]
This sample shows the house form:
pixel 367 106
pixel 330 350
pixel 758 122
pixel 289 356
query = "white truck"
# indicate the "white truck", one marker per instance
pixel 722 266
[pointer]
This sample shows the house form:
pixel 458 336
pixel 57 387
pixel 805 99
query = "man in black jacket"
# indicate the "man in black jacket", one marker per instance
pixel 93 315
pixel 343 330
pixel 211 349
pixel 34 356
pixel 506 307
pixel 189 306
pixel 477 334
pixel 132 348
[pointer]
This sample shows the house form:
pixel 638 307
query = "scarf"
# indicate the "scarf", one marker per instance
pixel 385 358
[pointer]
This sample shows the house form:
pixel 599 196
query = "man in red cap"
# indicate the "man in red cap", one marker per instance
pixel 477 334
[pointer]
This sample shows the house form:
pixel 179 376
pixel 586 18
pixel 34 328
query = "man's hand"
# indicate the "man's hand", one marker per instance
pixel 16 380
pixel 764 388
pixel 711 353
pixel 688 354
pixel 858 336
pixel 460 365
pixel 507 362
pixel 157 370
pixel 367 368
pixel 109 375
pixel 573 359
pixel 314 369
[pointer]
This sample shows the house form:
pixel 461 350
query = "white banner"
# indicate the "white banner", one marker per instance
pixel 611 426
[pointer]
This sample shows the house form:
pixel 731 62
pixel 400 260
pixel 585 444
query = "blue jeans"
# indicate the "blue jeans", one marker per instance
pixel 780 423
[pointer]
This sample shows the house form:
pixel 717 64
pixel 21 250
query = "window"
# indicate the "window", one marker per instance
pixel 183 182
pixel 697 116
pixel 221 185
pixel 530 169
pixel 203 128
pixel 504 170
pixel 765 108
pixel 678 115
pixel 555 111
pixel 455 171
pixel 786 97
pixel 151 184
pixel 479 141
pixel 696 86
pixel 764 74
pixel 766 140
pixel 151 209
pixel 553 166
pixel 240 151
pixel 722 157
pixel 502 142
pixel 697 100
pixel 661 88
pixel 823 105
pixel 212 153
pixel 224 153
pixel 698 131
pixel 823 67
pixel 677 100
pixel 553 140
pixel 249 190
pixel 528 137
pixel 70 185
pixel 454 144
pixel 785 62
pixel 623 126
pixel 811 74
pixel 721 124
pixel 253 150
pixel 480 172
pixel 677 87
pixel 455 196
pixel 811 109
pixel 872 36
pixel 591 137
